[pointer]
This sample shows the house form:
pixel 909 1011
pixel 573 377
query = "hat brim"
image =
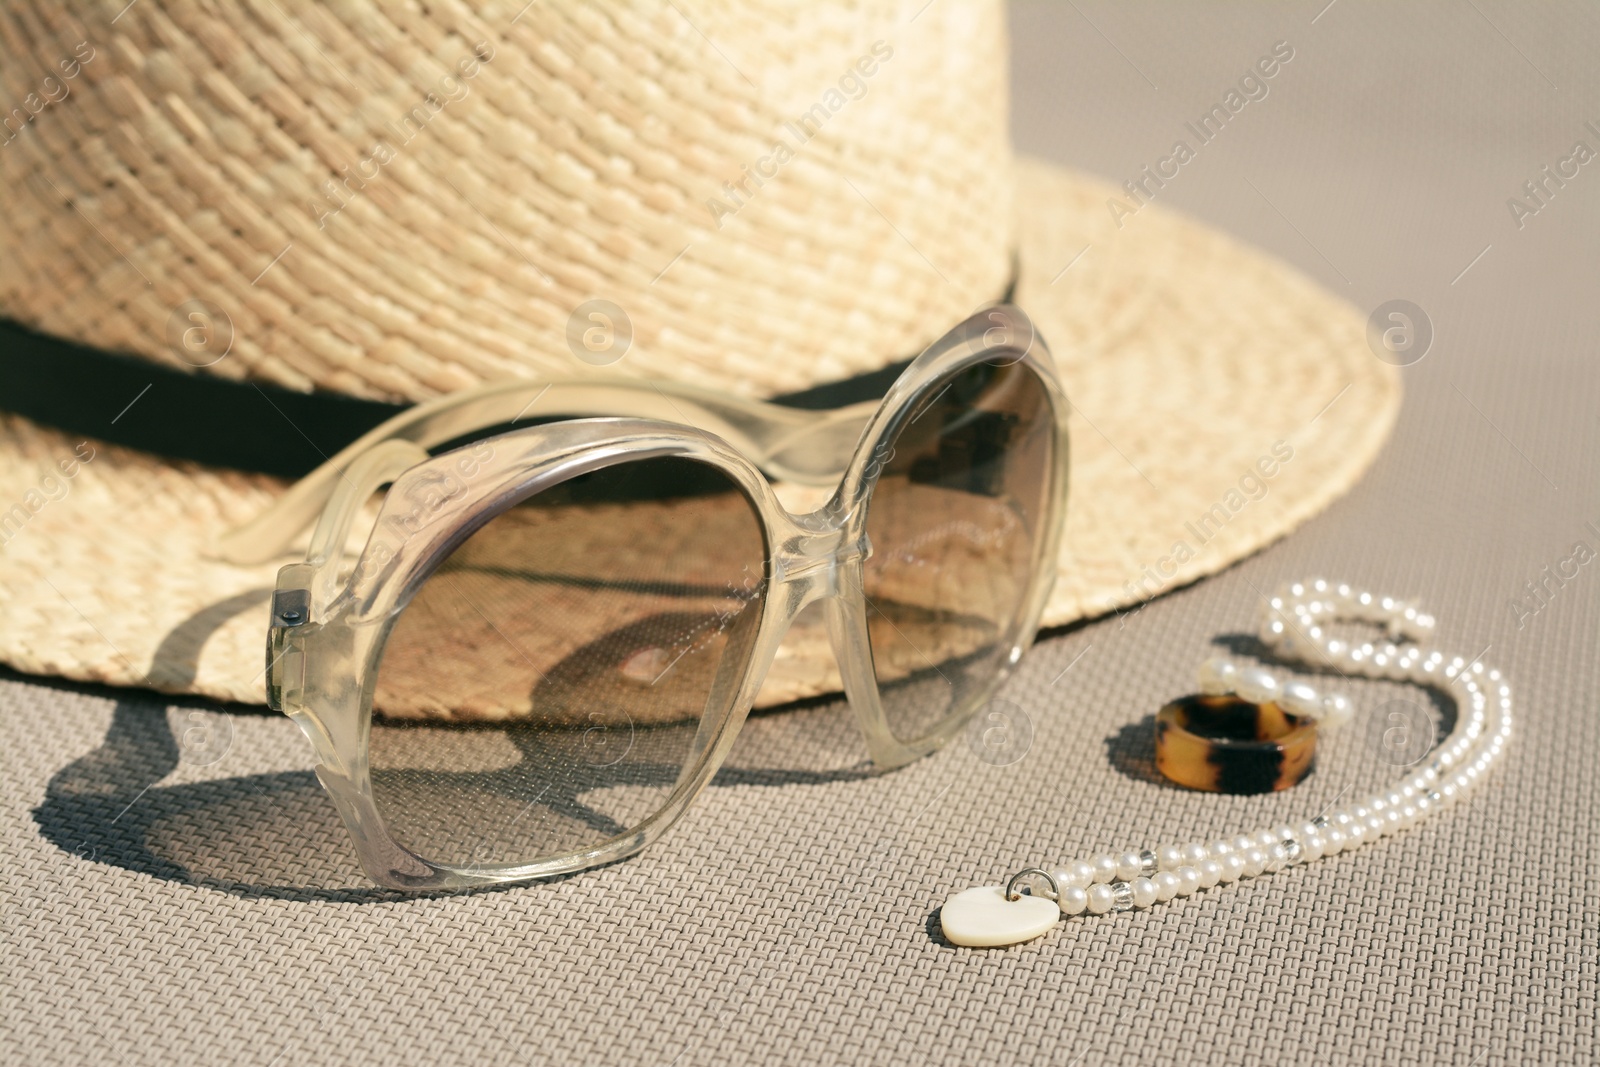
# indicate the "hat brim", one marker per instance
pixel 1219 399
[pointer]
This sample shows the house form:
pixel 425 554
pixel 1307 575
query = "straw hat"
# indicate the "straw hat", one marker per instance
pixel 277 217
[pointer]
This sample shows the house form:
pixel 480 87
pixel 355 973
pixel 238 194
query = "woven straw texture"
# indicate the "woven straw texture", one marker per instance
pixel 399 201
pixel 562 152
pixel 1180 389
pixel 158 912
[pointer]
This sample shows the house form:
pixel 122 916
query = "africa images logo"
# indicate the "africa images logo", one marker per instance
pixel 52 487
pixel 1252 85
pixel 337 192
pixel 852 85
pixel 1252 487
pixel 1538 191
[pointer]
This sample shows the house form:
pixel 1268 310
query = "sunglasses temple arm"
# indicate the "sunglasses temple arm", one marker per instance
pixel 791 444
pixel 382 464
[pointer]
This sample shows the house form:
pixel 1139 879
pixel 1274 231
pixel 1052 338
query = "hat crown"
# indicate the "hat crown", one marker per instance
pixel 394 204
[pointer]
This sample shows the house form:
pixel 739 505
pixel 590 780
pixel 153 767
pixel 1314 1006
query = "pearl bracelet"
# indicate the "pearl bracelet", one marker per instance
pixel 1221 677
pixel 1292 629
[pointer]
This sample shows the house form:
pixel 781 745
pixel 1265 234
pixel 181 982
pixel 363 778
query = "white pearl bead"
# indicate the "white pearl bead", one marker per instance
pixel 1128 866
pixel 1256 686
pixel 1300 699
pixel 1105 868
pixel 1311 848
pixel 1195 853
pixel 1255 862
pixel 1189 881
pixel 1100 899
pixel 1217 676
pixel 1267 838
pixel 1336 710
pixel 1074 900
pixel 1277 858
pixel 1233 865
pixel 1167 885
pixel 1169 857
pixel 1333 841
pixel 1210 873
pixel 1244 843
pixel 1077 873
pixel 1144 892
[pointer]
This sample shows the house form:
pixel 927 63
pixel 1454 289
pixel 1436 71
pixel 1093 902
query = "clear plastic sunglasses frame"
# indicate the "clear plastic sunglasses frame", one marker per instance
pixel 326 636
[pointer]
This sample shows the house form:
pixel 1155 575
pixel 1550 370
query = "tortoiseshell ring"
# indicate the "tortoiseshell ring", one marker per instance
pixel 1225 744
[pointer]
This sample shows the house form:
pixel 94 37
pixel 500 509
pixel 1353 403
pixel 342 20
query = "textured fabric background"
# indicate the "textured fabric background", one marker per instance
pixel 158 912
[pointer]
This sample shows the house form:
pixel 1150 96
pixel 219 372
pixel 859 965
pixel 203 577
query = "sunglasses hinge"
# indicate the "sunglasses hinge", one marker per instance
pixel 291 607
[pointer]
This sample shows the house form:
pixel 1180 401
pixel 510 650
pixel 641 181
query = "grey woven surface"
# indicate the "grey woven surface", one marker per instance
pixel 158 913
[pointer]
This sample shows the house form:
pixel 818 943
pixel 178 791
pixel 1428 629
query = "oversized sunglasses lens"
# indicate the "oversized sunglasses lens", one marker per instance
pixel 955 523
pixel 588 625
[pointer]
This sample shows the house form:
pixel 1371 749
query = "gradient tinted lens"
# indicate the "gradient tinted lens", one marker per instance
pixel 590 623
pixel 954 524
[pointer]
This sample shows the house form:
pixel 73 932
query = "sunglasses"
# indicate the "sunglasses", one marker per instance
pixel 565 624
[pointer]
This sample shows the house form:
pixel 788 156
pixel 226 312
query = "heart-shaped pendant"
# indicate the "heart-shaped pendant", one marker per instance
pixel 982 917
